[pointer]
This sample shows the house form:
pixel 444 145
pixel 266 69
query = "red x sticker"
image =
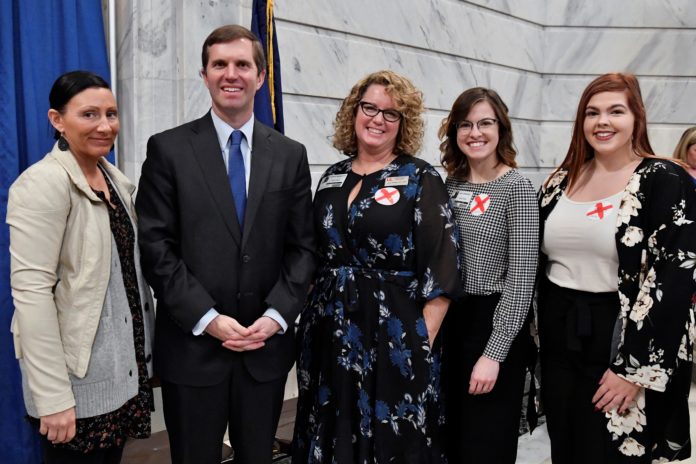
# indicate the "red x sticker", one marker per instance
pixel 599 211
pixel 387 196
pixel 479 204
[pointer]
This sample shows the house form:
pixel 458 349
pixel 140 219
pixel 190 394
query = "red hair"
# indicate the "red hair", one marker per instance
pixel 580 151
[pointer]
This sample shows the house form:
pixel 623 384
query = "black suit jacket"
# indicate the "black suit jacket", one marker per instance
pixel 195 256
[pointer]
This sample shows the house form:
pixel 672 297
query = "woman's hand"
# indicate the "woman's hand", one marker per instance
pixel 433 313
pixel 59 427
pixel 483 376
pixel 614 392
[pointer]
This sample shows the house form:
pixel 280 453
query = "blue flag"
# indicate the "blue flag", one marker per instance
pixel 39 40
pixel 268 103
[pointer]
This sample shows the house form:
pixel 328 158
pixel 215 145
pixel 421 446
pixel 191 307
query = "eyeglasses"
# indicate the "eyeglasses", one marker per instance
pixel 371 110
pixel 483 125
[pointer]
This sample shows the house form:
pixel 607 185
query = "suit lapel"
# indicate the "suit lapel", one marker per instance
pixel 207 152
pixel 261 163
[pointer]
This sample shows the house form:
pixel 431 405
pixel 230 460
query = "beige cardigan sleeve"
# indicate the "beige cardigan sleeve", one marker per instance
pixel 37 213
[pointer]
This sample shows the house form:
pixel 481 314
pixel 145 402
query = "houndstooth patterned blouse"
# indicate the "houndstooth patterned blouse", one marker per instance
pixel 498 225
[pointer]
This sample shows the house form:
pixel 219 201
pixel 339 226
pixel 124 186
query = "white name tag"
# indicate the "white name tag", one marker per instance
pixel 396 181
pixel 462 198
pixel 334 180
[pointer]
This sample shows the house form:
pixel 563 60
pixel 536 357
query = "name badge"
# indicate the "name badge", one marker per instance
pixel 396 181
pixel 334 180
pixel 462 198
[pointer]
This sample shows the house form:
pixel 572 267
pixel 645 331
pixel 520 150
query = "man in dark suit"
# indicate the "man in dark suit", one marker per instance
pixel 225 227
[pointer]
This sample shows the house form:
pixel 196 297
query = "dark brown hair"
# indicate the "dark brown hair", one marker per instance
pixel 230 33
pixel 453 159
pixel 70 84
pixel 580 150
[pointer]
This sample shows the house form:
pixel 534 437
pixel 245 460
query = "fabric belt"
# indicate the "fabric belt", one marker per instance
pixel 578 324
pixel 579 306
pixel 342 281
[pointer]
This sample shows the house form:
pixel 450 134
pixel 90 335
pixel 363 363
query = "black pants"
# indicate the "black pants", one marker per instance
pixel 58 455
pixel 480 428
pixel 196 418
pixel 575 330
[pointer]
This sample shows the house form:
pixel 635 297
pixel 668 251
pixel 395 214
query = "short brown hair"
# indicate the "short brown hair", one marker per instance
pixel 408 100
pixel 230 33
pixel 453 159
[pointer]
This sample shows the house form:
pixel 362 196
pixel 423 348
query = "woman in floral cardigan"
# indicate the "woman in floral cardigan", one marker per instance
pixel 617 288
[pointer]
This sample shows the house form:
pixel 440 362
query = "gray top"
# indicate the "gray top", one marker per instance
pixel 112 375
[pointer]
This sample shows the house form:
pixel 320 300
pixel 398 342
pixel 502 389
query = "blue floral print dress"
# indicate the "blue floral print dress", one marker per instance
pixel 369 380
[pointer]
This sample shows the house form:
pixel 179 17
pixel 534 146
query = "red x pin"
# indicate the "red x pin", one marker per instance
pixel 480 204
pixel 387 196
pixel 599 209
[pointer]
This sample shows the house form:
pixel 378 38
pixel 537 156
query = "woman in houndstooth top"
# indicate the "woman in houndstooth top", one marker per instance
pixel 485 349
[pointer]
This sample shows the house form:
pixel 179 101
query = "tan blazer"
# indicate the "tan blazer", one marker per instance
pixel 60 246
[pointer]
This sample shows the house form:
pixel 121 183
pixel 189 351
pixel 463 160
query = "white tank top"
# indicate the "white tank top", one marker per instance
pixel 579 240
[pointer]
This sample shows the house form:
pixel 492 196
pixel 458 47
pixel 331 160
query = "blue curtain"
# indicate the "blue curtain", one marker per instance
pixel 268 102
pixel 39 40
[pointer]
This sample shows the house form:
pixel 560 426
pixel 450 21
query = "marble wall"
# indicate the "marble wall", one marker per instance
pixel 538 55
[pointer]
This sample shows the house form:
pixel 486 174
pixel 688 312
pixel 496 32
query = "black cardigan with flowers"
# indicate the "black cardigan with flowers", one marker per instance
pixel 656 245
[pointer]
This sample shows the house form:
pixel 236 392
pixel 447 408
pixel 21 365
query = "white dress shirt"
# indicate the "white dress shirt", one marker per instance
pixel 224 131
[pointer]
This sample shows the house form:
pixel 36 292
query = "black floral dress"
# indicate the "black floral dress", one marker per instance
pixel 656 246
pixel 368 378
pixel 133 418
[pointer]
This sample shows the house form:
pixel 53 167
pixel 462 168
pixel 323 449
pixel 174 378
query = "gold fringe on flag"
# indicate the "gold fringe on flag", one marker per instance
pixel 270 56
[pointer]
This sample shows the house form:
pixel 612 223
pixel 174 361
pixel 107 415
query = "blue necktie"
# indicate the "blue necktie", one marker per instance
pixel 235 172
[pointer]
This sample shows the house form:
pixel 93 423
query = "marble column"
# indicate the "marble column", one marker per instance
pixel 158 51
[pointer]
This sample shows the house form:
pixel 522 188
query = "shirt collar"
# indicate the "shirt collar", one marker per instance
pixel 224 130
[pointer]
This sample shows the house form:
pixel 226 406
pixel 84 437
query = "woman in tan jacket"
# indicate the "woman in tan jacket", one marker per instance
pixel 83 313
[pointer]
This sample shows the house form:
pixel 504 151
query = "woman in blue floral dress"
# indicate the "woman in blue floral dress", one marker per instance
pixel 368 366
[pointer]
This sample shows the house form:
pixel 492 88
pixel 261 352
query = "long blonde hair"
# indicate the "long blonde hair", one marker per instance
pixel 687 139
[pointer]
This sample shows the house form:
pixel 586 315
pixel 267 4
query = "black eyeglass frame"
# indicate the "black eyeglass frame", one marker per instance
pixel 388 111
